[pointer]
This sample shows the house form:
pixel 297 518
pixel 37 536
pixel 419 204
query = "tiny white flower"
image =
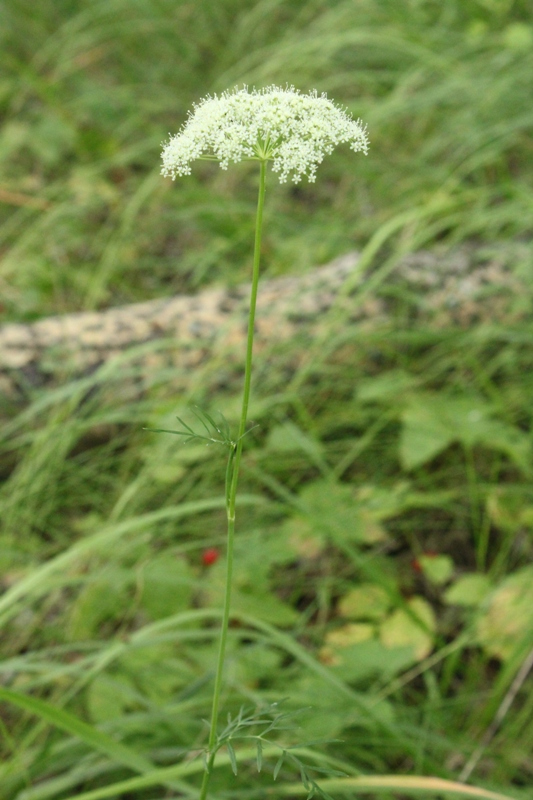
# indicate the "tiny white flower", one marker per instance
pixel 293 130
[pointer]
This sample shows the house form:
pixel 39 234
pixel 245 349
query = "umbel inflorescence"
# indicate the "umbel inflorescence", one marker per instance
pixel 293 130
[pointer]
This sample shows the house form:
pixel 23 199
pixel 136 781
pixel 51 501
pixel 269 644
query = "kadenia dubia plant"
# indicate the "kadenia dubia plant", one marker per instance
pixel 294 131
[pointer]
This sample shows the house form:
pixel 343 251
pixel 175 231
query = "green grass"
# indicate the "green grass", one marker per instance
pixel 367 462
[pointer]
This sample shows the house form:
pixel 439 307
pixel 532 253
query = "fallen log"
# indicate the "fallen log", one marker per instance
pixel 461 287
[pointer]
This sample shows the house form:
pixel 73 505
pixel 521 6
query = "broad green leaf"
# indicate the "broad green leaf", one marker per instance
pixel 265 606
pixel 387 386
pixel 432 422
pixel 468 590
pixel 438 569
pixel 507 620
pixel 415 629
pixel 365 660
pixel 329 711
pixel 333 511
pixel 366 601
pixel 424 435
pixel 383 502
pixel 510 508
pixel 497 435
pixel 352 633
pixel 305 541
pixel 288 437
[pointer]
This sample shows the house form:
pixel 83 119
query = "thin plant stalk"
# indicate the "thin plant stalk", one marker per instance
pixel 295 132
pixel 232 480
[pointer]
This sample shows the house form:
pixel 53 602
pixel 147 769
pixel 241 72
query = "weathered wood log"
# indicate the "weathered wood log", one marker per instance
pixel 458 287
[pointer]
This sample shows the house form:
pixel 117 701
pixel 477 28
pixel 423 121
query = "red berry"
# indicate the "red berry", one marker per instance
pixel 210 556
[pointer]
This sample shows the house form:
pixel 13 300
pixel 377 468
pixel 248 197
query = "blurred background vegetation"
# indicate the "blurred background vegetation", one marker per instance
pixel 384 558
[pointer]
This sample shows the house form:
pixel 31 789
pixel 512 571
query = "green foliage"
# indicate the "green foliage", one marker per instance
pixel 468 590
pixel 259 726
pixel 432 423
pixel 506 624
pixel 382 576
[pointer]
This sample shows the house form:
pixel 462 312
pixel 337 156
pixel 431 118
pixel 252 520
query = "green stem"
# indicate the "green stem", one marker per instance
pixel 233 475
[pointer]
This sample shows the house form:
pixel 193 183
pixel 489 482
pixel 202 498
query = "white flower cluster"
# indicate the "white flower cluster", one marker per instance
pixel 293 130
